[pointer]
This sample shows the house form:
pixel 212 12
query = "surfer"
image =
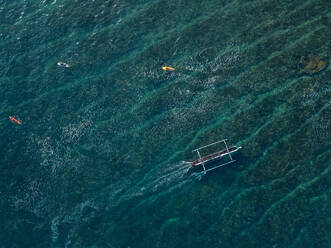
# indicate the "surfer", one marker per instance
pixel 62 64
pixel 168 68
pixel 13 119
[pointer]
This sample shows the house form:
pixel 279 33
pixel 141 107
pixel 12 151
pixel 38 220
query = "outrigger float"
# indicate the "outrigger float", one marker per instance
pixel 206 161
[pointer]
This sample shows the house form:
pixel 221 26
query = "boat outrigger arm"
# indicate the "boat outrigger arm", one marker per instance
pixel 214 156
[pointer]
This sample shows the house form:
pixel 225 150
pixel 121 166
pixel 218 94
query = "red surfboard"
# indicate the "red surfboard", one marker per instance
pixel 13 119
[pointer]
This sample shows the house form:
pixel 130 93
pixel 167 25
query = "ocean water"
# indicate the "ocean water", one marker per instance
pixel 101 159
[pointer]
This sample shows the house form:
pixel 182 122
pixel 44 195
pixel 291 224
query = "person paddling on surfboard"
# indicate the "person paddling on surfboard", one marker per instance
pixel 168 68
pixel 14 120
pixel 62 64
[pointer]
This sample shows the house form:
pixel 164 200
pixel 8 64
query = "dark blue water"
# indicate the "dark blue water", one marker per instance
pixel 101 157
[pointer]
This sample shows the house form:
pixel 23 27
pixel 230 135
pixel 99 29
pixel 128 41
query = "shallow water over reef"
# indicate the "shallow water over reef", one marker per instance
pixel 101 157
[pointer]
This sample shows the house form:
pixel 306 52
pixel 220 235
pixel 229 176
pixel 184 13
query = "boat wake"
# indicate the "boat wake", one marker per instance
pixel 155 183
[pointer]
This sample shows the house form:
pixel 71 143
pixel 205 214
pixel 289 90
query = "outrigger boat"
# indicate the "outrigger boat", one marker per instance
pixel 205 161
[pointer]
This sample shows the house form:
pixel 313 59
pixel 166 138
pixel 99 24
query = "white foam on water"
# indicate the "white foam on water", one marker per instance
pixel 74 218
pixel 73 131
pixel 227 61
pixel 163 179
pixel 29 197
pixel 59 153
pixel 55 229
pixel 310 95
pixel 50 154
pixel 77 213
pixel 320 127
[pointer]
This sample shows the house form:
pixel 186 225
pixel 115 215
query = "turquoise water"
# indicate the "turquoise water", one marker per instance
pixel 101 157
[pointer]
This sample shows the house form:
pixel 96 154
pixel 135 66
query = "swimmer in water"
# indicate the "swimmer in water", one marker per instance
pixel 62 64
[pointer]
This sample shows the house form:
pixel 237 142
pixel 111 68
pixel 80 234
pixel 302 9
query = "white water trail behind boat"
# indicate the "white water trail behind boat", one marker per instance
pixel 155 183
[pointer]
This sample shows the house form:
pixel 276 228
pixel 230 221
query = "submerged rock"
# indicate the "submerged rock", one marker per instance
pixel 312 64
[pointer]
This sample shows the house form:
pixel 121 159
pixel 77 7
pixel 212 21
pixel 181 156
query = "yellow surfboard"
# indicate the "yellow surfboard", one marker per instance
pixel 168 68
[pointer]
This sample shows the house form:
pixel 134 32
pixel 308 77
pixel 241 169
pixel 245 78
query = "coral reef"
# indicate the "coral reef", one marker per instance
pixel 312 64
